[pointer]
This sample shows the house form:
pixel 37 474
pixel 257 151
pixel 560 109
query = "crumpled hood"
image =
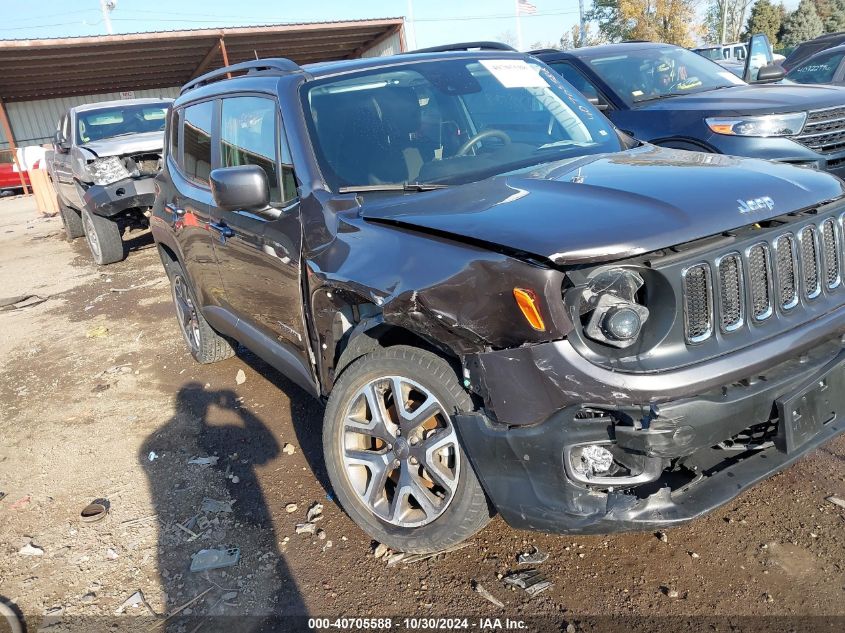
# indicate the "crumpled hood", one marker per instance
pixel 129 144
pixel 609 206
pixel 753 99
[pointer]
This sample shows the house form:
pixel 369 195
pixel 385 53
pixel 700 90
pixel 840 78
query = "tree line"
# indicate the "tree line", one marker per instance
pixel 677 22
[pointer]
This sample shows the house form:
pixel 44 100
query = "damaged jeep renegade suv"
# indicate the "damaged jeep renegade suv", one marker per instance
pixel 507 304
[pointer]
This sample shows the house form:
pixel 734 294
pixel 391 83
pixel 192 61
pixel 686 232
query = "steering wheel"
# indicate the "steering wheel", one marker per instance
pixel 491 133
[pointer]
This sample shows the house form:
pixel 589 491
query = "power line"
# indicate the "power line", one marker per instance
pixel 44 26
pixel 256 20
pixel 41 17
pixel 265 20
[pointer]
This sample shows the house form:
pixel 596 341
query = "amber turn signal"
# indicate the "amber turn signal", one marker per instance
pixel 527 302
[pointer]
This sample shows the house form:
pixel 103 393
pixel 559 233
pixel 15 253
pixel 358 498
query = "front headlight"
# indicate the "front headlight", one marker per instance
pixel 617 318
pixel 767 125
pixel 105 171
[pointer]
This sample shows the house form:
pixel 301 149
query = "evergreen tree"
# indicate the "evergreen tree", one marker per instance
pixel 765 18
pixel 802 24
pixel 832 13
pixel 671 21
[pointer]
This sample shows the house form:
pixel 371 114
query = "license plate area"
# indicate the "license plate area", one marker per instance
pixel 805 413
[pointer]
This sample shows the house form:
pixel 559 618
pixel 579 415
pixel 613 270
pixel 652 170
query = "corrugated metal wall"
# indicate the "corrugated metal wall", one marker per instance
pixel 390 46
pixel 34 122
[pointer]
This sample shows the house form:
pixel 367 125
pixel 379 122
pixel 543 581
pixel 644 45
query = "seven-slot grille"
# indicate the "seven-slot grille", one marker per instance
pixel 787 269
pixel 759 279
pixel 767 275
pixel 810 262
pixel 824 130
pixel 831 253
pixel 698 306
pixel 730 292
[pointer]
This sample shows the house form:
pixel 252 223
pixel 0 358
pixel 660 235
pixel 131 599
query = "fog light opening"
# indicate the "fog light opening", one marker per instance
pixel 592 459
pixel 601 464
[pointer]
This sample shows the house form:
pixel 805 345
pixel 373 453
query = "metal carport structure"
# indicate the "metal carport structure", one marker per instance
pixel 40 73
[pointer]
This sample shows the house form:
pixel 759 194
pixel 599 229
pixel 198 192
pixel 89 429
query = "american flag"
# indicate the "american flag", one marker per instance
pixel 523 7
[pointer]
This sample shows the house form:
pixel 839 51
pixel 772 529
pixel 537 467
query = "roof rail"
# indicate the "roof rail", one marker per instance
pixel 466 46
pixel 545 50
pixel 274 64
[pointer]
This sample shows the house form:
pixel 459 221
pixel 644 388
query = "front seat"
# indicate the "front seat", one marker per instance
pixel 402 116
pixel 365 155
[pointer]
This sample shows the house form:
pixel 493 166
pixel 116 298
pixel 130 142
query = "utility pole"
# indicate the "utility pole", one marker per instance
pixel 411 31
pixel 724 20
pixel 107 6
pixel 583 24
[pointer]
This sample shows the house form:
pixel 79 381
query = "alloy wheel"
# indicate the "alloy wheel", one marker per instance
pixel 186 312
pixel 91 237
pixel 400 451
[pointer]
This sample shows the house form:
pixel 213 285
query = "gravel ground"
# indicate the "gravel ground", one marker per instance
pixel 101 400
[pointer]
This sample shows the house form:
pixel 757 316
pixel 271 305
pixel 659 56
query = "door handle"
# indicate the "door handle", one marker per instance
pixel 221 228
pixel 174 210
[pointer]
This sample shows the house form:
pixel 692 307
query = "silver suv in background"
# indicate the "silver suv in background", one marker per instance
pixel 106 155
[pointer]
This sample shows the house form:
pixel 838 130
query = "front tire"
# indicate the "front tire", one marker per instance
pixel 205 345
pixel 103 237
pixel 71 220
pixel 396 464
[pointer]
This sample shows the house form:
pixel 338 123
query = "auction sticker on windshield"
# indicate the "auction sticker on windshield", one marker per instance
pixel 514 73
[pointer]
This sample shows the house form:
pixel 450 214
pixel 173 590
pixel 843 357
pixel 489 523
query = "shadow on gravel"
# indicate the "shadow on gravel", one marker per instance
pixel 138 242
pixel 259 592
pixel 306 415
pixel 832 453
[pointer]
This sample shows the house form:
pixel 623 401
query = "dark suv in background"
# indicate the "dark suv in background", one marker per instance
pixel 673 97
pixel 507 305
pixel 807 49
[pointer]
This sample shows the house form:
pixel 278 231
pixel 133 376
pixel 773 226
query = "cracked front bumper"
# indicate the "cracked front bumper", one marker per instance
pixel 682 439
pixel 112 199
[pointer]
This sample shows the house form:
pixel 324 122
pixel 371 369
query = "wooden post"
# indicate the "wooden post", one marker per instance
pixel 7 130
pixel 225 55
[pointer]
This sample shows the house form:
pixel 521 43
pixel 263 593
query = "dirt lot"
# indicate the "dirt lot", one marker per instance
pixel 101 400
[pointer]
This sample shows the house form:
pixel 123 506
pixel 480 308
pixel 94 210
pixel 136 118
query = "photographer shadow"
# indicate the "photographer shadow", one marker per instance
pixel 208 423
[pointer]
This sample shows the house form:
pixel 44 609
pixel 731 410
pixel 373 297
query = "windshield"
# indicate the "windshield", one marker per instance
pixel 448 122
pixel 656 73
pixel 95 125
pixel 710 53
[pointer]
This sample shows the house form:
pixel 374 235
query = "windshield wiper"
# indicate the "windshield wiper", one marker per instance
pixel 405 186
pixel 666 96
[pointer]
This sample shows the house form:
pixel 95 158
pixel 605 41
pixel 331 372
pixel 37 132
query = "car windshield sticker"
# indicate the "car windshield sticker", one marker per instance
pixel 731 77
pixel 515 73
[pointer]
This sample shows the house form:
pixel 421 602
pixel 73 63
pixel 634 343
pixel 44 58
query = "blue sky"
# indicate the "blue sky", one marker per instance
pixel 436 21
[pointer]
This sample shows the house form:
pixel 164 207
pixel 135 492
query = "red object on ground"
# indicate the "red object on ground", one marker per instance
pixel 9 178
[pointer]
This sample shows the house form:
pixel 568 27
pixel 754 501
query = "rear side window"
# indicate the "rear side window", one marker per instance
pixel 196 137
pixel 577 79
pixel 248 136
pixel 175 125
pixel 820 70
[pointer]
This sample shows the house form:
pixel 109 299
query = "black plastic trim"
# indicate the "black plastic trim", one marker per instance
pixel 272 351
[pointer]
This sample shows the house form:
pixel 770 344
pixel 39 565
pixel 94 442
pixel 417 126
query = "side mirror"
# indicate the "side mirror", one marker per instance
pixel 597 104
pixel 61 146
pixel 770 74
pixel 244 187
pixel 759 56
